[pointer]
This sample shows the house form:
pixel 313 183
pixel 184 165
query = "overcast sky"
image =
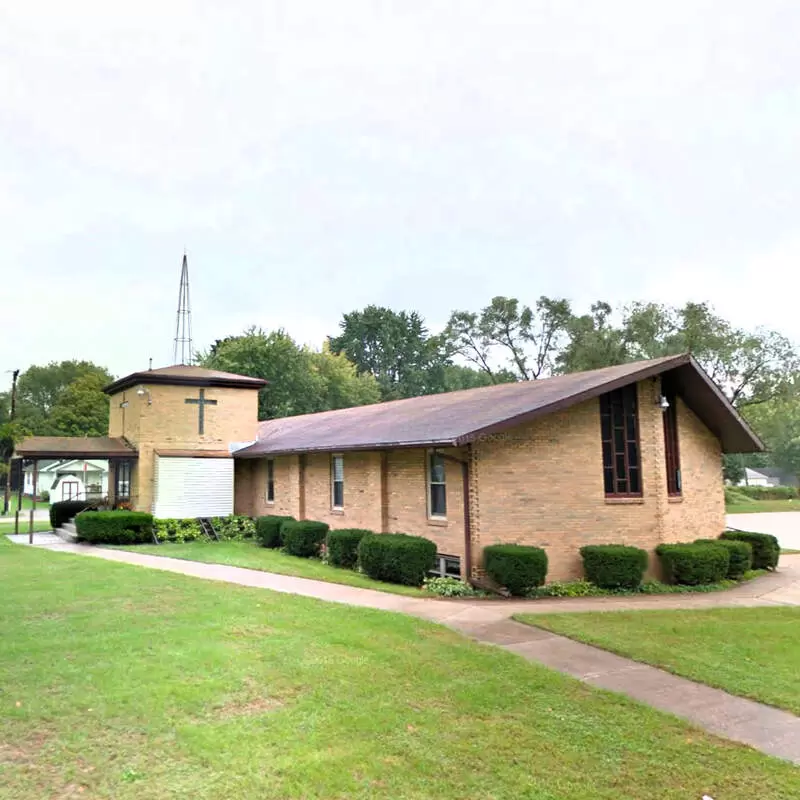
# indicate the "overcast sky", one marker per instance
pixel 315 157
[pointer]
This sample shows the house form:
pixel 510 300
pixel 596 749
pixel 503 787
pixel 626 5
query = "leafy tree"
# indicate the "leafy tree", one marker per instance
pixel 40 388
pixel 592 342
pixel 301 381
pixel 529 338
pixel 341 386
pixel 81 409
pixel 393 346
pixel 751 366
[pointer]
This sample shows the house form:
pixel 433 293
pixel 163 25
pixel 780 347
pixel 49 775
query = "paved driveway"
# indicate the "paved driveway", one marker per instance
pixel 783 524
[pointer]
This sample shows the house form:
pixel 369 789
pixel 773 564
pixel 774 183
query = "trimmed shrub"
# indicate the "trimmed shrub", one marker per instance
pixel 115 527
pixel 342 546
pixel 396 557
pixel 517 567
pixel 303 538
pixel 693 564
pixel 740 554
pixel 45 496
pixel 268 530
pixel 177 530
pixel 768 492
pixel 614 566
pixel 450 587
pixel 64 510
pixel 733 497
pixel 234 527
pixel 766 550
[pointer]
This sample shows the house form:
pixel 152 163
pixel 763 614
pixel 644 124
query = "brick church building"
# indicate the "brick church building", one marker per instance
pixel 631 454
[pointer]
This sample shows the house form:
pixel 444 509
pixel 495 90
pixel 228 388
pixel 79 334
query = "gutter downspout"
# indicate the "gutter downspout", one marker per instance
pixel 467 515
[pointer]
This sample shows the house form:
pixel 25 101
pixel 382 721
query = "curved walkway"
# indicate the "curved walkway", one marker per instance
pixel 768 729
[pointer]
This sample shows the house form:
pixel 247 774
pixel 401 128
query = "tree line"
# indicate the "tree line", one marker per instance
pixel 380 353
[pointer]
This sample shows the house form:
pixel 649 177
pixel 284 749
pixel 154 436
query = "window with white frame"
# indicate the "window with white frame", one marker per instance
pixel 447 566
pixel 437 489
pixel 337 482
pixel 270 480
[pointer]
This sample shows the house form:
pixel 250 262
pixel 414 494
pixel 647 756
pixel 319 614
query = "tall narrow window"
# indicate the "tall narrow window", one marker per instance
pixel 337 481
pixel 270 480
pixel 437 489
pixel 619 425
pixel 122 483
pixel 671 451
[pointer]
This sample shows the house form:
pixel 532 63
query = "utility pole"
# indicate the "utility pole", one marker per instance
pixel 7 495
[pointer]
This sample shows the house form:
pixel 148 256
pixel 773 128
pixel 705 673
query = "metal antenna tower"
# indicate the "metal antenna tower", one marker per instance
pixel 183 325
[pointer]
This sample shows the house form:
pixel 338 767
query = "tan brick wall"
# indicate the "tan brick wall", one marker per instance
pixel 406 491
pixel 542 484
pixel 362 490
pixel 700 512
pixel 169 423
pixel 287 490
pixel 408 500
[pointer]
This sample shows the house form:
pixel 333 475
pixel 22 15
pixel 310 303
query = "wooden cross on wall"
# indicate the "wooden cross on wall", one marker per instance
pixel 201 404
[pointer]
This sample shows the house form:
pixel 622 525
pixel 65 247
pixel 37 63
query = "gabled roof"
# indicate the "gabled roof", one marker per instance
pixel 456 418
pixel 64 447
pixel 184 375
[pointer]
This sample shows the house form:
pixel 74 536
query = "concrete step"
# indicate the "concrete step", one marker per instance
pixel 67 532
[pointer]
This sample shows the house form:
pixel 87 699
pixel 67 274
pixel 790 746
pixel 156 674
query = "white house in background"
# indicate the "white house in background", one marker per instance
pixel 753 477
pixel 69 479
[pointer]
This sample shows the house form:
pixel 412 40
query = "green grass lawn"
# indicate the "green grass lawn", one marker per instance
pixel 251 555
pixel 760 506
pixel 8 527
pixel 752 652
pixel 26 504
pixel 122 682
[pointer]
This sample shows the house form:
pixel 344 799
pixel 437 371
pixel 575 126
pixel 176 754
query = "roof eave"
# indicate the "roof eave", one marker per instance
pixel 140 378
pixel 254 451
pixel 574 399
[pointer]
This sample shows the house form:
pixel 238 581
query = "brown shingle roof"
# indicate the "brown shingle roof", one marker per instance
pixel 455 418
pixel 185 375
pixel 74 447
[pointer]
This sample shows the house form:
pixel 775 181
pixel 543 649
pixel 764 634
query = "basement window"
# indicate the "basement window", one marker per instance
pixel 270 480
pixel 337 482
pixel 447 566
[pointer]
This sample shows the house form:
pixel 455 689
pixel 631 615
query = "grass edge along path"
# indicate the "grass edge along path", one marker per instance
pixel 250 555
pixel 749 652
pixel 134 683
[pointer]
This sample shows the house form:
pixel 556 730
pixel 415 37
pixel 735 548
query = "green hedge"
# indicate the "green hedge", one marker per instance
pixel 342 546
pixel 178 530
pixel 515 566
pixel 235 526
pixel 693 564
pixel 303 538
pixel 766 550
pixel 768 492
pixel 614 566
pixel 396 557
pixel 740 554
pixel 115 527
pixel 65 510
pixel 268 530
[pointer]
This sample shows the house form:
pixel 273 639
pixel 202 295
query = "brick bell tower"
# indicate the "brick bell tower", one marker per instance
pixel 185 422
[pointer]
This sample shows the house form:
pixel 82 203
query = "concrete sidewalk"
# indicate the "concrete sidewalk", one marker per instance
pixel 768 729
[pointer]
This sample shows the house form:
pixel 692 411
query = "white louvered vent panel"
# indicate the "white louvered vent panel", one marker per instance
pixel 193 487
